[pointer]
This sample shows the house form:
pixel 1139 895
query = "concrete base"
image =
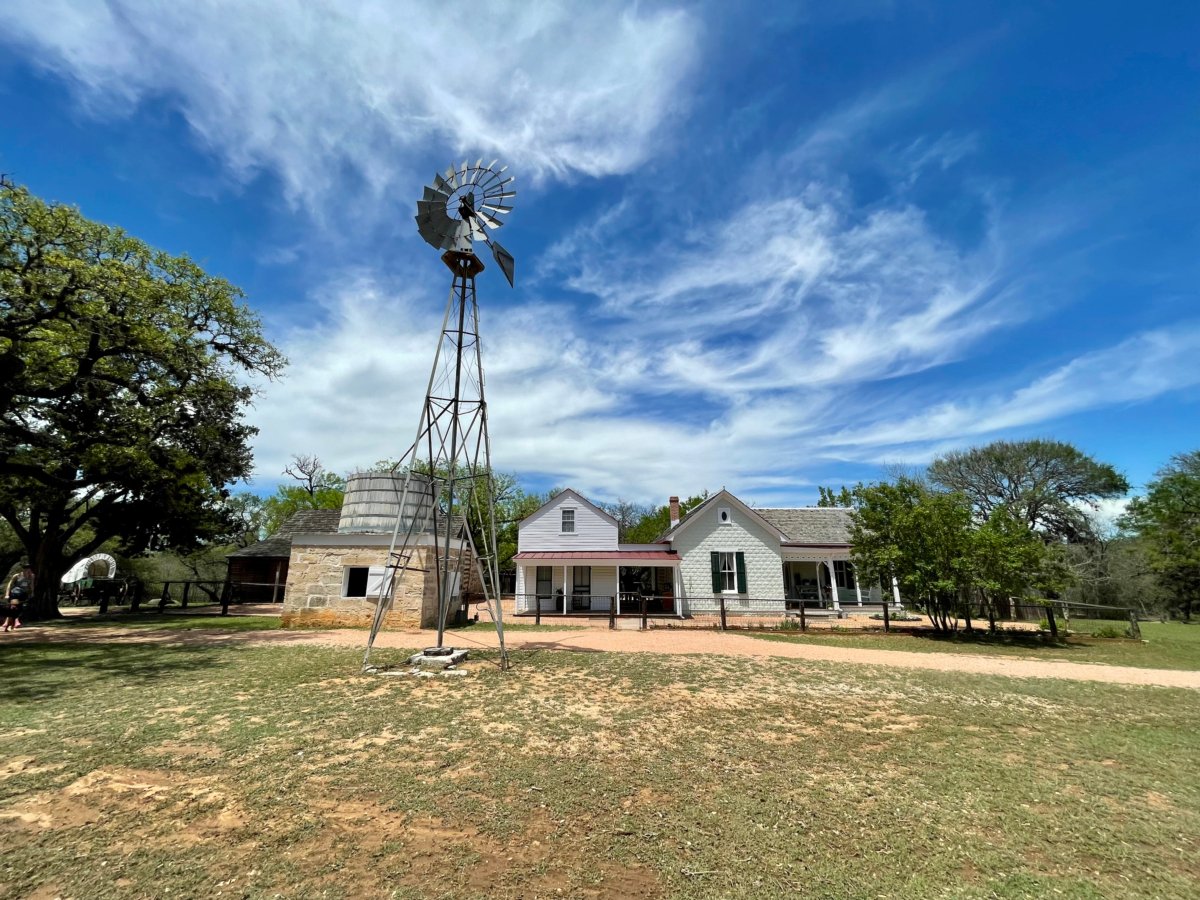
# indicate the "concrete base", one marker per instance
pixel 439 662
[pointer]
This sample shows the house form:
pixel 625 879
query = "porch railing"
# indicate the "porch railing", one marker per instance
pixel 554 603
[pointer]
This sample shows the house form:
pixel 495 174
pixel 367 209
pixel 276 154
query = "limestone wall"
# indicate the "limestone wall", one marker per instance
pixel 316 575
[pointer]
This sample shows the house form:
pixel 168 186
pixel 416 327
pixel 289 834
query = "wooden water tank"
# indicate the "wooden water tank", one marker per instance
pixel 372 502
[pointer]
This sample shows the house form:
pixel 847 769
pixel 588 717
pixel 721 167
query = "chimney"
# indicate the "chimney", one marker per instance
pixel 674 511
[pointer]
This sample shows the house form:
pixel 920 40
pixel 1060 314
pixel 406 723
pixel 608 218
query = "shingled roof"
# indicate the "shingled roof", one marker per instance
pixel 811 524
pixel 303 521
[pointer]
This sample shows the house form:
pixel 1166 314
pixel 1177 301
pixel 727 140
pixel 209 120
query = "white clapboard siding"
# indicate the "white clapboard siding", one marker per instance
pixel 543 530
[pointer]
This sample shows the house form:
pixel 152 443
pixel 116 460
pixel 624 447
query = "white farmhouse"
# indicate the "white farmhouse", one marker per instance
pixel 751 561
pixel 568 561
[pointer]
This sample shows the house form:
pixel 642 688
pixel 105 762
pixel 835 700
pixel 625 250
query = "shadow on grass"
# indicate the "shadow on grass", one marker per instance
pixel 1019 640
pixel 35 672
pixel 169 621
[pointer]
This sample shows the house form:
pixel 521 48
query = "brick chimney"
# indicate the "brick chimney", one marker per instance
pixel 674 511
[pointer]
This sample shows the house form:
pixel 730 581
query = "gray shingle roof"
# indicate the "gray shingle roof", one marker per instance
pixel 303 521
pixel 811 524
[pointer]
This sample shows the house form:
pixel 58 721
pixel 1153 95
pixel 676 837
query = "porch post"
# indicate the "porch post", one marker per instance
pixel 833 589
pixel 566 600
pixel 857 587
pixel 617 598
pixel 677 582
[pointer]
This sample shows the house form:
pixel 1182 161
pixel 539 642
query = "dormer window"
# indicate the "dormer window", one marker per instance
pixel 568 521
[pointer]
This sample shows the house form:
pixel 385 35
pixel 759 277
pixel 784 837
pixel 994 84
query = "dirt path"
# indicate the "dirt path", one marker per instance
pixel 655 641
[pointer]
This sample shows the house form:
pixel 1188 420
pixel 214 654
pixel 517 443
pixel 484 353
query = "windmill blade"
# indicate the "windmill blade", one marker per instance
pixel 487 220
pixel 504 260
pixel 442 185
pixel 431 211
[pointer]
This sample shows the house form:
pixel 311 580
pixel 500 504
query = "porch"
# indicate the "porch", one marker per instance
pixel 597 584
pixel 828 581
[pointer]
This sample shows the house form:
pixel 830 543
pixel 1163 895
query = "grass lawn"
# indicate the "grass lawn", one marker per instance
pixel 167 621
pixel 197 770
pixel 1164 645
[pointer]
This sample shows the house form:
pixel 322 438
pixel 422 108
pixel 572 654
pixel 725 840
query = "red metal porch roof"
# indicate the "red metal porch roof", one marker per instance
pixel 615 555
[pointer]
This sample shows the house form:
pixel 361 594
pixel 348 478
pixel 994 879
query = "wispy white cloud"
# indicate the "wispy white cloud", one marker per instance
pixel 312 90
pixel 792 290
pixel 1143 366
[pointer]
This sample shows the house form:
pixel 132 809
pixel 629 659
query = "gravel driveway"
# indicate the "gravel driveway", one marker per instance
pixel 654 641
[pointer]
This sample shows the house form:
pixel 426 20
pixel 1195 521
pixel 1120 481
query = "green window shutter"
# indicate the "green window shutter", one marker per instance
pixel 716 572
pixel 740 560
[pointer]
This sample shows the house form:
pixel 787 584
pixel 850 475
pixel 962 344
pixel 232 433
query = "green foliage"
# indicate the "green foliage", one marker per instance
pixel 1043 483
pixel 120 409
pixel 1110 632
pixel 655 522
pixel 1167 519
pixel 842 498
pixel 318 488
pixel 1115 571
pixel 941 555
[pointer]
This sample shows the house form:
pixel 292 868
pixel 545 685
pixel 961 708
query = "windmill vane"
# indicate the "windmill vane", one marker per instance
pixel 463 205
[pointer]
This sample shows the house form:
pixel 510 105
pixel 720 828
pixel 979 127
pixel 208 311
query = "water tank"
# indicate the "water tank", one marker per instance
pixel 372 503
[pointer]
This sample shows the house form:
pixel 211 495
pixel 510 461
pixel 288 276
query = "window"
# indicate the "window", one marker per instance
pixel 568 521
pixel 724 516
pixel 362 581
pixel 843 573
pixel 728 573
pixel 545 581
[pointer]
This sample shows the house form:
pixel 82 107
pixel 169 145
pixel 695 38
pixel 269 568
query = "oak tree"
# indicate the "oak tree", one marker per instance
pixel 122 405
pixel 1049 485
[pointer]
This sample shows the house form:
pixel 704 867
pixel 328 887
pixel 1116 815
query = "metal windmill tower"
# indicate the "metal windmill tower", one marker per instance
pixel 452 444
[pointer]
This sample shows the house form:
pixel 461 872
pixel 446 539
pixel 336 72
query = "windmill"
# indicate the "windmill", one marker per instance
pixel 459 208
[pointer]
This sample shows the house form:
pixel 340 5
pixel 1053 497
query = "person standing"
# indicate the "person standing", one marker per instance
pixel 20 589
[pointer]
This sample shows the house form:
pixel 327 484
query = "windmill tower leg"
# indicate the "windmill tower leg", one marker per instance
pixel 454 449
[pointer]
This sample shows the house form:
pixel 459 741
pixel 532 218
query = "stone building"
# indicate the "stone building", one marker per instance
pixel 334 575
pixel 334 580
pixel 259 573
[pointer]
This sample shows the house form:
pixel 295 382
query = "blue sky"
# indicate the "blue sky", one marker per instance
pixel 760 250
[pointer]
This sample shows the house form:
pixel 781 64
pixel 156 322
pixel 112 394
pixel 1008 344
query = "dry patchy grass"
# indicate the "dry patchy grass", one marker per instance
pixel 146 770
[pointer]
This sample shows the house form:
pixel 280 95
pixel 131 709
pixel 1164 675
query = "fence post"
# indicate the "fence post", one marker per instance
pixel 721 599
pixel 803 623
pixel 226 595
pixel 1135 630
pixel 187 585
pixel 612 613
pixel 537 610
pixel 644 623
pixel 887 622
pixel 1050 619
